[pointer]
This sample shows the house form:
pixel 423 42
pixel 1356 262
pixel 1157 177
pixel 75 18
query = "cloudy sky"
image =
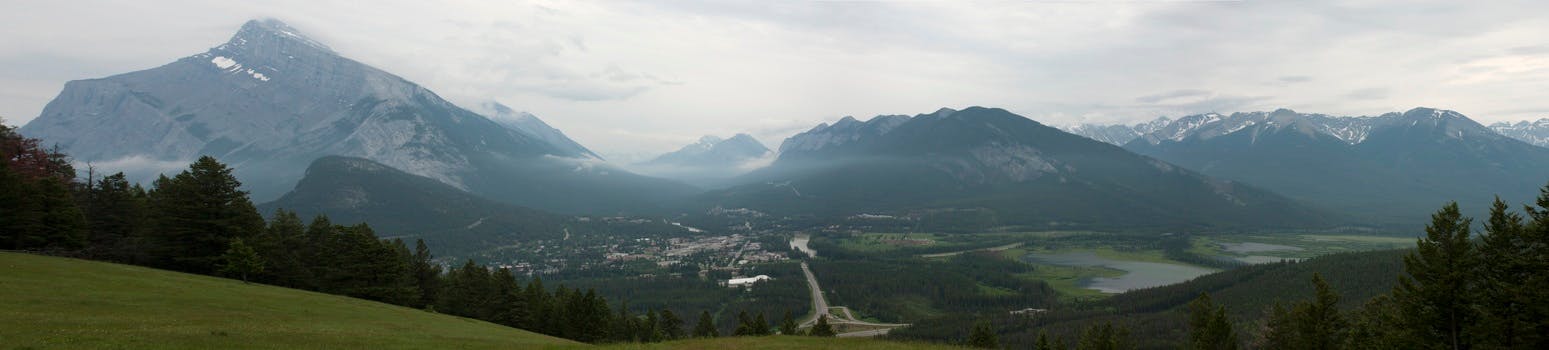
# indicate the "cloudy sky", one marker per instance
pixel 636 78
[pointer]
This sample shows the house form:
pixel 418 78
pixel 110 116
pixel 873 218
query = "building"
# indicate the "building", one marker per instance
pixel 746 281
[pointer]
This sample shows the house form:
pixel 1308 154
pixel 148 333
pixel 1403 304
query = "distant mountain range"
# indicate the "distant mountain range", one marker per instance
pixel 989 167
pixel 1534 132
pixel 1117 134
pixel 270 101
pixel 710 162
pixel 1393 168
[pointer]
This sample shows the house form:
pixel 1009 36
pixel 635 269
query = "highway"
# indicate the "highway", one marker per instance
pixel 820 308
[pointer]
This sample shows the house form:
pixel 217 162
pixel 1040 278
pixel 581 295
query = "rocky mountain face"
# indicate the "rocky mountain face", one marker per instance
pixel 270 101
pixel 1393 168
pixel 529 124
pixel 1534 132
pixel 1117 134
pixel 1000 169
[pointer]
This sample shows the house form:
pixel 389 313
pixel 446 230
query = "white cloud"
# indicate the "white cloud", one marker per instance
pixel 648 77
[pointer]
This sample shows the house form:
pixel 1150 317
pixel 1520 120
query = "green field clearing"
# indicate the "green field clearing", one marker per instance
pixel 49 302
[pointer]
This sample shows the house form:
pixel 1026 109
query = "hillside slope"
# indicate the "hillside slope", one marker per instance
pixel 50 302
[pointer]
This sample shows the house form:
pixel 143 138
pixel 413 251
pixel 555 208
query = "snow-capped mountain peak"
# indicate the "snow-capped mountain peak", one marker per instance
pixel 1535 132
pixel 270 33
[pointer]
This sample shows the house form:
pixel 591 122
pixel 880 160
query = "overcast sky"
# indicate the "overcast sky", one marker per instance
pixel 635 78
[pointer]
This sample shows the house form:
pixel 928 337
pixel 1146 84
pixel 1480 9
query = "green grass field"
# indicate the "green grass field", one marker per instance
pixel 1307 245
pixel 61 303
pixel 49 302
pixel 779 342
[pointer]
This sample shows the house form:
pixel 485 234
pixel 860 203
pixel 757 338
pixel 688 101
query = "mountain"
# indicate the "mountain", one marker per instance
pixel 713 151
pixel 530 125
pixel 270 101
pixel 1117 134
pixel 1534 132
pixel 709 163
pixel 1393 168
pixel 398 204
pixel 989 167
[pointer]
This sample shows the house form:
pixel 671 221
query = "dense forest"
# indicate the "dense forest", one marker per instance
pixel 199 221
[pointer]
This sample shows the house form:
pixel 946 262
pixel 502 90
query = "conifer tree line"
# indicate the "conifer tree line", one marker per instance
pixel 199 221
pixel 1459 291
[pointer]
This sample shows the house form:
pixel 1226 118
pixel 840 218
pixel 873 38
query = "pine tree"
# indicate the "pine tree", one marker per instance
pixel 1504 253
pixel 1277 331
pixel 116 214
pixel 788 324
pixel 1534 288
pixel 1104 336
pixel 542 317
pixel 760 326
pixel 672 326
pixel 1208 326
pixel 595 327
pixel 705 328
pixel 467 292
pixel 198 212
pixel 982 335
pixel 1379 325
pixel 510 305
pixel 652 329
pixel 1437 297
pixel 241 260
pixel 821 328
pixel 283 245
pixel 744 325
pixel 1043 341
pixel 1319 324
pixel 625 326
pixel 427 278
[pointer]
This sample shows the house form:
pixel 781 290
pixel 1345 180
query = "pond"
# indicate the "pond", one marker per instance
pixel 1137 274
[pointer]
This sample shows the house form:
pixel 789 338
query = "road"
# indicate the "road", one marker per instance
pixel 862 334
pixel 820 308
pixel 819 304
pixel 990 249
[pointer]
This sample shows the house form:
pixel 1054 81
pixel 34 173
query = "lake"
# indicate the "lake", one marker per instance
pixel 1137 274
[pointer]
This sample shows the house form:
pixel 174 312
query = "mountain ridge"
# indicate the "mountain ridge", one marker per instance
pixel 270 101
pixel 1020 171
pixel 1393 168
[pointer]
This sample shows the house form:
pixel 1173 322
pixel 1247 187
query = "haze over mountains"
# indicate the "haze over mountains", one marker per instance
pixel 993 167
pixel 710 162
pixel 270 101
pixel 1392 168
